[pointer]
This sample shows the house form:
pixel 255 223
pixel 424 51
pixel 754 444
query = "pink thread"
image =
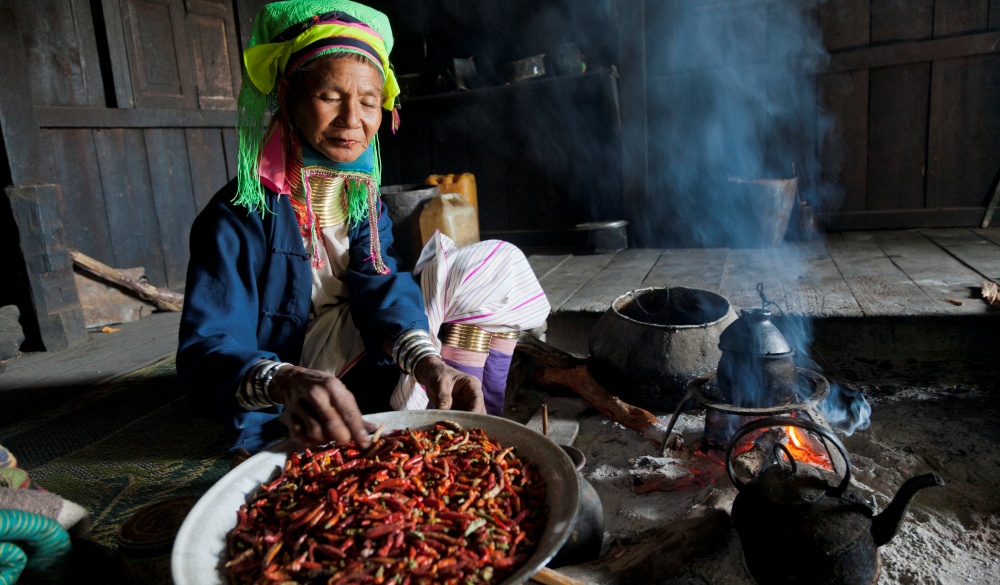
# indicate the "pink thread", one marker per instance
pixel 536 297
pixel 483 263
pixel 484 315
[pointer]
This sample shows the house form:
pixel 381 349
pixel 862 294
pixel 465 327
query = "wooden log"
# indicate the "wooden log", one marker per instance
pixel 163 299
pixel 580 381
pixel 558 368
pixel 547 576
pixel 105 303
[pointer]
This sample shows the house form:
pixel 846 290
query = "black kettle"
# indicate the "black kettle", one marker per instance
pixel 796 528
pixel 757 367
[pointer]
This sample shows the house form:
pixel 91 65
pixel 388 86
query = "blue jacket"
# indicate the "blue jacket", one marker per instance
pixel 247 298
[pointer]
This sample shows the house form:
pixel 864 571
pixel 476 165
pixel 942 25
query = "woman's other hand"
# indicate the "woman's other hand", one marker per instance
pixel 448 388
pixel 319 408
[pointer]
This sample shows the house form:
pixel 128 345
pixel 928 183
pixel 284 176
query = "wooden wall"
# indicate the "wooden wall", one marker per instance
pixel 906 111
pixel 135 102
pixel 915 90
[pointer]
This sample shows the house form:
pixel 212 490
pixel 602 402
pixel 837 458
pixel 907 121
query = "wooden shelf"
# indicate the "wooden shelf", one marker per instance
pixel 540 82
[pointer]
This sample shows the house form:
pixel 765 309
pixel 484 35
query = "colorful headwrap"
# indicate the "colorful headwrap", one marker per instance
pixel 287 35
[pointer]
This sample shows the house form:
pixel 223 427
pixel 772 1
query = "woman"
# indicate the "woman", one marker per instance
pixel 294 303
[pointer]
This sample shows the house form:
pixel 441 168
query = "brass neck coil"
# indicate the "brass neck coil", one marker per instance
pixel 328 201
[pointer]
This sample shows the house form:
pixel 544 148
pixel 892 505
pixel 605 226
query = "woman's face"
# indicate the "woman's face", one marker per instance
pixel 339 108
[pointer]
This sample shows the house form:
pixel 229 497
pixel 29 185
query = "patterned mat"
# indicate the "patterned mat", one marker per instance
pixel 121 446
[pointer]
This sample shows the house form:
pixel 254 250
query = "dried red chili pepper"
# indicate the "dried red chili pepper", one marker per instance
pixel 446 505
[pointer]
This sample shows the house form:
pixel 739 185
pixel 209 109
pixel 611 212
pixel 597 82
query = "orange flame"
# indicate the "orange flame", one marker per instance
pixel 805 449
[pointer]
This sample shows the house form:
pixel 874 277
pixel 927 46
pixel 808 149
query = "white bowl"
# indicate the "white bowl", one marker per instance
pixel 199 552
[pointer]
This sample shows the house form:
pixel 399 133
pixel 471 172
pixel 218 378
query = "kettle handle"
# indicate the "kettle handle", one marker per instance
pixel 787 421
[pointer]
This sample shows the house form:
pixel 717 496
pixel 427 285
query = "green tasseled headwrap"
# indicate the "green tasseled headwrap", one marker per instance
pixel 283 29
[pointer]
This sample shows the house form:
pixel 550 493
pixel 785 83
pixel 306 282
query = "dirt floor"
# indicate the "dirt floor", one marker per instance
pixel 950 535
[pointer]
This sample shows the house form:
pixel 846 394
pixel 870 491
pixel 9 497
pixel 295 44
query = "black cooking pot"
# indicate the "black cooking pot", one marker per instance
pixel 652 342
pixel 601 237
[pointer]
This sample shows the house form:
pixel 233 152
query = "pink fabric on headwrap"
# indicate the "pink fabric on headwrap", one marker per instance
pixel 272 160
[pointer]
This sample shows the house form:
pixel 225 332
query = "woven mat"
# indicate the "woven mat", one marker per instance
pixel 116 448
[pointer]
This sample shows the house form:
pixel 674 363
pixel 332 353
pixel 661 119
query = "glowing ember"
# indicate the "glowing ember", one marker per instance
pixel 804 448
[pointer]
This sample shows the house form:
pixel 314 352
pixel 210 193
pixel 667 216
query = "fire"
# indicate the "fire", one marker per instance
pixel 804 448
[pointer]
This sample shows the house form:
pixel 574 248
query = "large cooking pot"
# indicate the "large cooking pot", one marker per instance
pixel 652 342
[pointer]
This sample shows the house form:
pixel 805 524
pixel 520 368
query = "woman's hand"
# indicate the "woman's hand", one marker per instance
pixel 320 409
pixel 448 388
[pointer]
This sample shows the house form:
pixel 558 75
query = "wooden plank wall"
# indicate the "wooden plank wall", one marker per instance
pixel 914 89
pixel 135 106
pixel 911 89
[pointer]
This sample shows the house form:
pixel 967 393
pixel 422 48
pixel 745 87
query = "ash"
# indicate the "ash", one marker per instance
pixel 682 533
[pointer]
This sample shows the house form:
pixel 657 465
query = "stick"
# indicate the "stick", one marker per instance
pixel 556 367
pixel 545 419
pixel 992 207
pixel 163 299
pixel 547 576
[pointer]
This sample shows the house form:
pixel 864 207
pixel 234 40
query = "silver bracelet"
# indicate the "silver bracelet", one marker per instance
pixel 254 392
pixel 410 347
pixel 416 356
pixel 404 338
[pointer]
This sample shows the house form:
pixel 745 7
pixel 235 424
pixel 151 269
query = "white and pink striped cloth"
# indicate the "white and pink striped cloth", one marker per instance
pixel 487 284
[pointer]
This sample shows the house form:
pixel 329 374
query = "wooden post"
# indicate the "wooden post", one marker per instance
pixel 34 205
pixel 50 270
pixel 991 208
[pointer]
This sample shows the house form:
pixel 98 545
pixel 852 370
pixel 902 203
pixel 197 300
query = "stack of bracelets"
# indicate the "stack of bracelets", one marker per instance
pixel 253 393
pixel 410 347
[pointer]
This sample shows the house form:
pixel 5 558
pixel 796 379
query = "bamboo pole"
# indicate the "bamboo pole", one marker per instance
pixel 163 299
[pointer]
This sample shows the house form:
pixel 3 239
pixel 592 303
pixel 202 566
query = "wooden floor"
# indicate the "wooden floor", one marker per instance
pixel 850 274
pixel 103 357
pixel 865 276
pixel 909 287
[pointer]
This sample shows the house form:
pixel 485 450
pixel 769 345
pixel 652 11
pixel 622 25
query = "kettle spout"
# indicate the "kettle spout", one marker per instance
pixel 884 525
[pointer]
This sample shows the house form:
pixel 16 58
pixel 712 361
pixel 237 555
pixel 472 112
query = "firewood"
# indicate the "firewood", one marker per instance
pixel 547 576
pixel 163 299
pixel 579 380
pixel 554 367
pixel 991 293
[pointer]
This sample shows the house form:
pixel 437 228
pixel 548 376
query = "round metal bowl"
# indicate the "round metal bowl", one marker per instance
pixel 199 552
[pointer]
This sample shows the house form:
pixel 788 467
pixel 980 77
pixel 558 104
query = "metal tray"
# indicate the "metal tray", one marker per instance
pixel 199 552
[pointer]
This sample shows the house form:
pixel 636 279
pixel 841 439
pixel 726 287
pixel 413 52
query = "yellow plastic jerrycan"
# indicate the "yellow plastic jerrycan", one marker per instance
pixel 464 185
pixel 453 215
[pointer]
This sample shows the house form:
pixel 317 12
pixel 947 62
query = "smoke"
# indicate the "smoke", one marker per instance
pixel 731 93
pixel 734 135
pixel 845 408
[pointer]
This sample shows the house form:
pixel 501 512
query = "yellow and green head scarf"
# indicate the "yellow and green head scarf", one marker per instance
pixel 285 36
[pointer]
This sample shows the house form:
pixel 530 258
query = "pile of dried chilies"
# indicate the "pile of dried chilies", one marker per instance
pixel 445 505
